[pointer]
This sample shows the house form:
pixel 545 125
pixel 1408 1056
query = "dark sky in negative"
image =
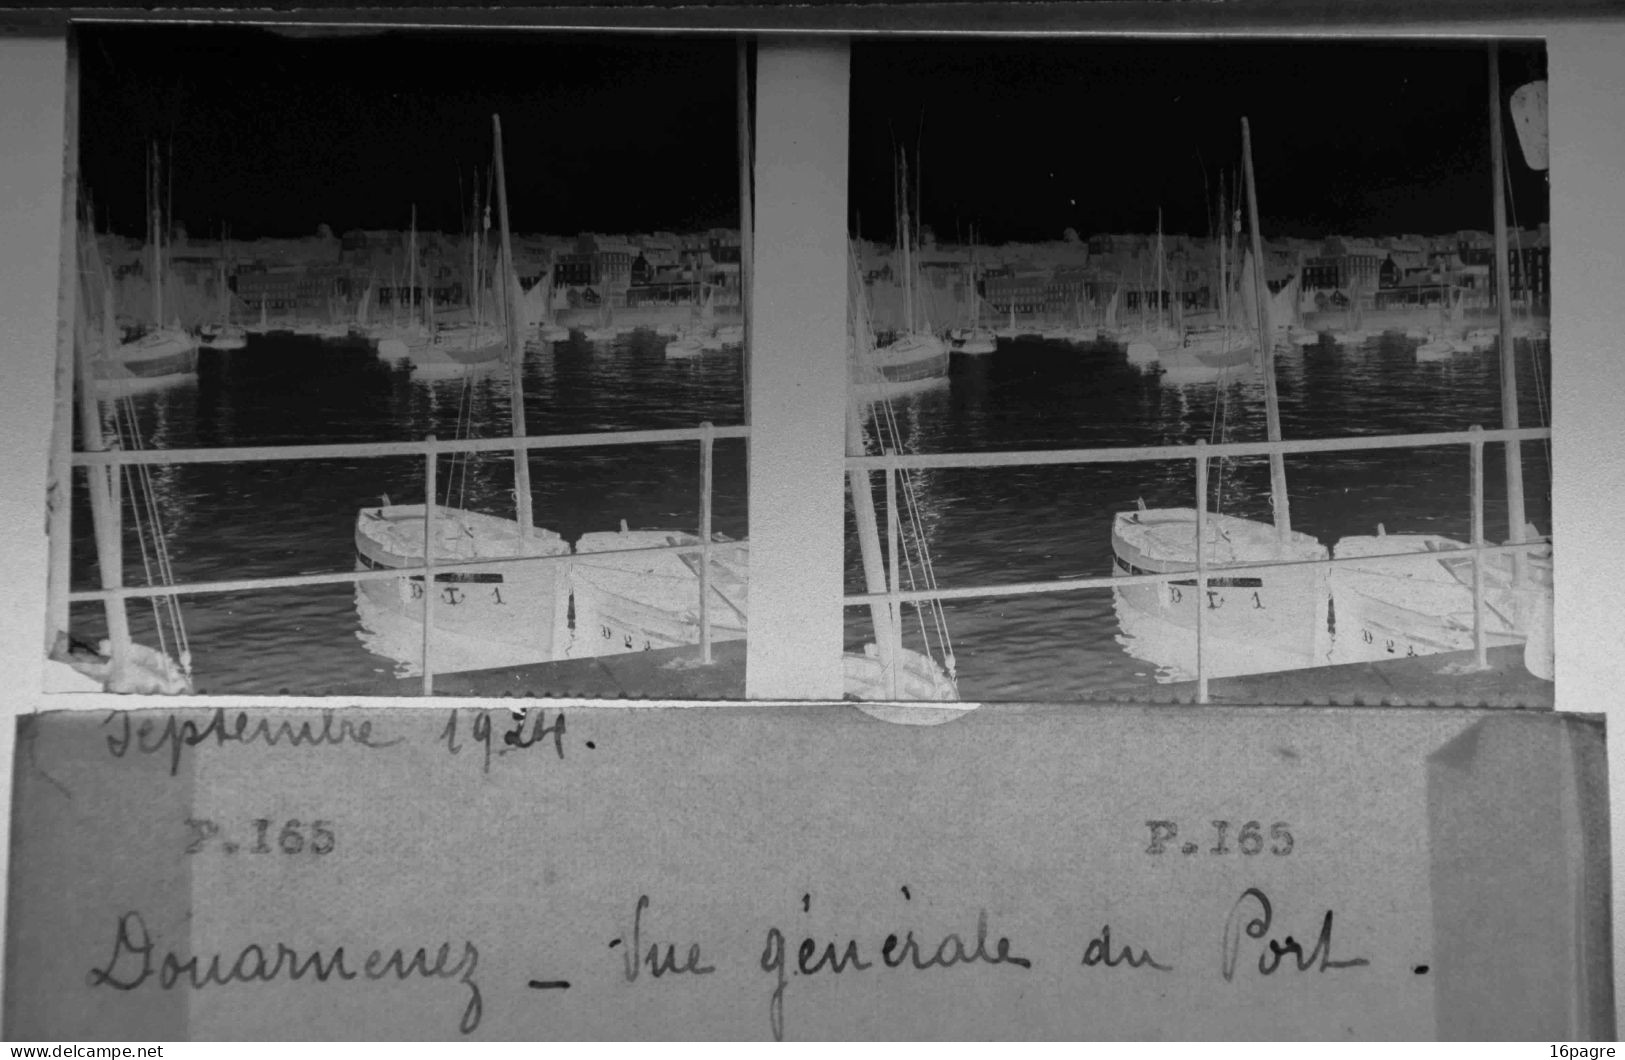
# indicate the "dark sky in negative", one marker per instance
pixel 274 135
pixel 1026 139
pixel 271 135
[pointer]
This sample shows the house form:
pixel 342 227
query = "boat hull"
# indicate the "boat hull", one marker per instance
pixel 1255 622
pixel 972 341
pixel 158 359
pixel 493 616
pixel 919 678
pixel 910 364
pixel 643 602
pixel 1385 608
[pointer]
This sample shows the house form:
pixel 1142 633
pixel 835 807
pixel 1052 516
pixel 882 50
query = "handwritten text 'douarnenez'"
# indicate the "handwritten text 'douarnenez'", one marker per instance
pixel 177 734
pixel 137 962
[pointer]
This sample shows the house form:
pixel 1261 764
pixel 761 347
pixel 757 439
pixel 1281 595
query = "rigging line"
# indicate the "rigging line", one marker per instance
pixel 1224 429
pixel 1540 379
pixel 884 415
pixel 458 474
pixel 140 533
pixel 905 539
pixel 920 552
pixel 916 523
pixel 938 615
pixel 166 570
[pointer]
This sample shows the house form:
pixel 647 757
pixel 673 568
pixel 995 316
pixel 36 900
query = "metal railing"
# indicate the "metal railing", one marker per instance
pixel 1200 454
pixel 430 449
pixel 895 596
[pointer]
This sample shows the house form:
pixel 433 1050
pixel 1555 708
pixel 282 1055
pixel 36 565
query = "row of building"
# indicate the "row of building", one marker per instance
pixel 328 274
pixel 1061 277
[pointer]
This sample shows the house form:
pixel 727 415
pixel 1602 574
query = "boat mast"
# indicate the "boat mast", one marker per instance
pixel 1224 264
pixel 908 257
pixel 858 480
pixel 105 497
pixel 412 268
pixel 1503 302
pixel 157 240
pixel 1266 350
pixel 747 208
pixel 516 358
pixel 975 301
pixel 1160 321
pixel 474 254
pixel 72 330
pixel 225 294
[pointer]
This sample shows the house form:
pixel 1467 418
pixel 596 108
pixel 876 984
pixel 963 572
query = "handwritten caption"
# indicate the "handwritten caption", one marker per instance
pixel 1253 937
pixel 493 734
pixel 1250 938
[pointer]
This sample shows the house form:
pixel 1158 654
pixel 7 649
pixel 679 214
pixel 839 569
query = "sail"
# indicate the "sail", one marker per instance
pixel 1244 294
pixel 535 305
pixel 1284 304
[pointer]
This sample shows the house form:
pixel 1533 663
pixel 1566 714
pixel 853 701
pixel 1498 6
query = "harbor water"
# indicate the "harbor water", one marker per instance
pixel 982 527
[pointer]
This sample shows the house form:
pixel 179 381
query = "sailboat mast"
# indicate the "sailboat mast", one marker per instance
pixel 975 301
pixel 747 207
pixel 1160 321
pixel 1503 302
pixel 516 358
pixel 1266 349
pixel 1224 262
pixel 474 253
pixel 858 479
pixel 412 267
pixel 105 495
pixel 157 240
pixel 908 257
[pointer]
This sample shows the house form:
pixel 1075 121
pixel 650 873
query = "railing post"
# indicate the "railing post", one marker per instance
pixel 705 542
pixel 894 607
pixel 429 491
pixel 1201 569
pixel 1480 648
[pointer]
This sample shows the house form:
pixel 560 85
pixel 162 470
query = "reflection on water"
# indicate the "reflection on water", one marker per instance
pixel 982 526
pixel 1038 523
pixel 274 519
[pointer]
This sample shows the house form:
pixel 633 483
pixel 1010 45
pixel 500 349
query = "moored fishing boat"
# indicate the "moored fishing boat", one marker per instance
pixel 887 668
pixel 157 356
pixel 490 617
pixel 223 335
pixel 115 663
pixel 910 363
pixel 685 346
pixel 459 349
pixel 504 614
pixel 1256 621
pixel 972 340
pixel 915 358
pixel 1401 606
pixel 1387 607
pixel 650 600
